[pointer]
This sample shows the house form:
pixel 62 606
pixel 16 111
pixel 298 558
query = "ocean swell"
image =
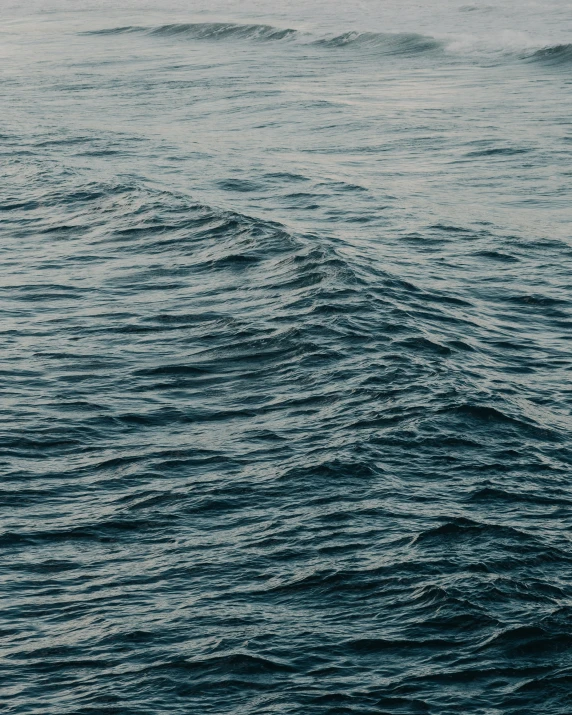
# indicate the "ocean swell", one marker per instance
pixel 553 55
pixel 205 31
pixel 405 43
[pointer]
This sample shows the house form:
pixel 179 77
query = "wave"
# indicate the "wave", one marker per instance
pixel 204 31
pixel 227 663
pixel 215 31
pixel 553 55
pixel 403 43
pixel 125 29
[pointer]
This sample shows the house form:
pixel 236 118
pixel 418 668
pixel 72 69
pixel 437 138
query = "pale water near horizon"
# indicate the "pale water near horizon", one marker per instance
pixel 286 320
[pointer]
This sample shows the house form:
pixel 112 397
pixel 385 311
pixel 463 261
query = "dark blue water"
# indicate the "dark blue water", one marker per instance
pixel 286 375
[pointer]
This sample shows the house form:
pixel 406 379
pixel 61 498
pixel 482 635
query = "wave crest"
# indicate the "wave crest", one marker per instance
pixel 205 31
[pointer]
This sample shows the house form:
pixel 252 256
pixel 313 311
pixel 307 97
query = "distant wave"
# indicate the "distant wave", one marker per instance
pixel 401 44
pixel 404 43
pixel 205 31
pixel 115 30
pixel 554 55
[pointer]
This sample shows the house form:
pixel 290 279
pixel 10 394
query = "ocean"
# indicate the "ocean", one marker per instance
pixel 286 365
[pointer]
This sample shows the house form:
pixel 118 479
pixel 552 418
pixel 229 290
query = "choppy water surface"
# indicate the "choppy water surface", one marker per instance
pixel 285 360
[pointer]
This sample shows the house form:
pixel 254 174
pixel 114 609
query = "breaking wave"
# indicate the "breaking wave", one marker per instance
pixel 401 44
pixel 405 43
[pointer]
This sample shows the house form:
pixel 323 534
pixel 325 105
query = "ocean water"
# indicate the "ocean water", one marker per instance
pixel 286 357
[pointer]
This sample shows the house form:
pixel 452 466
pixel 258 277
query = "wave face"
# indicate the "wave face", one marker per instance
pixel 556 55
pixel 204 31
pixel 286 417
pixel 392 44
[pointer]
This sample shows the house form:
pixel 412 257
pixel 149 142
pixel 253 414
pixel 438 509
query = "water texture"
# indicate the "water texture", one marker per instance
pixel 286 321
